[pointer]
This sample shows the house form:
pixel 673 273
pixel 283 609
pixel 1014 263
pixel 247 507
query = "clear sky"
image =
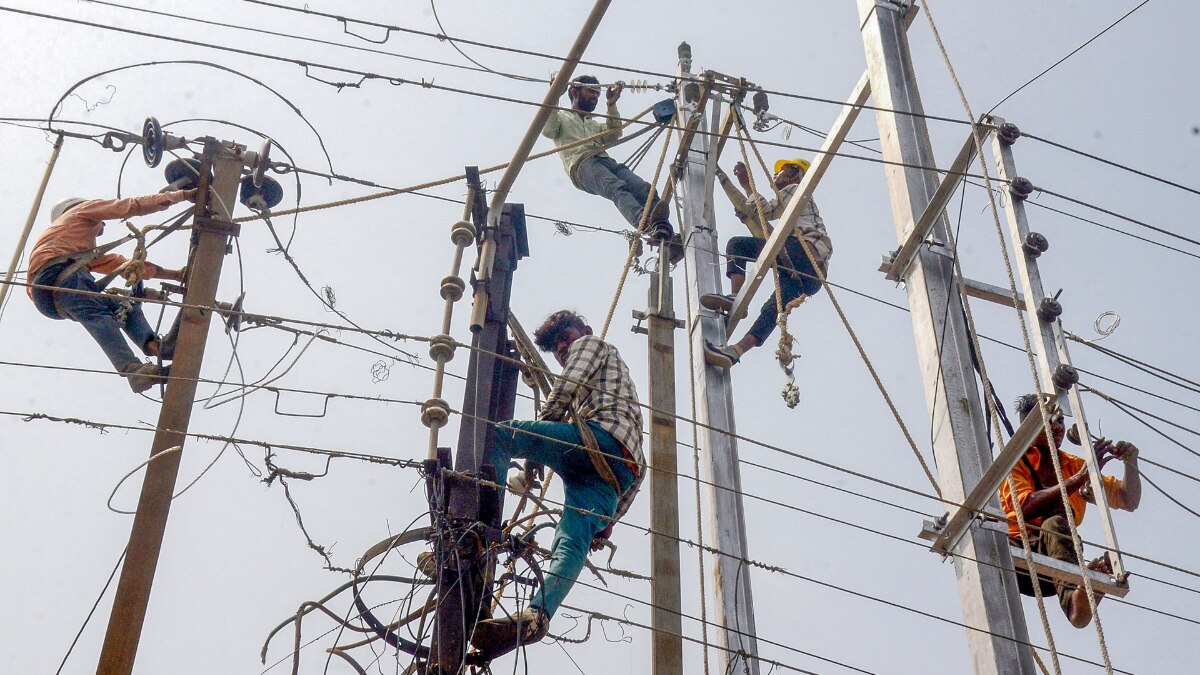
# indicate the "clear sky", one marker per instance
pixel 235 564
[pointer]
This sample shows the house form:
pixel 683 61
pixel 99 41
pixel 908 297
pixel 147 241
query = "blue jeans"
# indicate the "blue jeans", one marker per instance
pixel 614 181
pixel 590 501
pixel 97 315
pixel 801 280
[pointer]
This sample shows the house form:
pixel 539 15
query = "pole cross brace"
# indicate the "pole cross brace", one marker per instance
pixel 915 236
pixel 958 522
pixel 1045 566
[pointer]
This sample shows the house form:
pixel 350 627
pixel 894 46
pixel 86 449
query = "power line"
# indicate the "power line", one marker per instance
pixel 1069 55
pixel 261 31
pixel 1109 162
pixel 378 459
pixel 1111 228
pixel 559 59
pixel 1114 214
pixel 398 81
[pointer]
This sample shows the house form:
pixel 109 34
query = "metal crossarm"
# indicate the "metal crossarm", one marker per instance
pixel 958 522
pixel 1047 335
pixel 1046 567
pixel 915 234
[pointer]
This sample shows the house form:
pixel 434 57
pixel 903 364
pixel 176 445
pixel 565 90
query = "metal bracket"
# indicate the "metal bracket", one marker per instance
pixel 917 233
pixel 1045 566
pixel 208 224
pixel 638 327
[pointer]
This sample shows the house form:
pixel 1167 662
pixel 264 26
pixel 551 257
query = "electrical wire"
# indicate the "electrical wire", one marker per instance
pixel 364 76
pixel 1073 52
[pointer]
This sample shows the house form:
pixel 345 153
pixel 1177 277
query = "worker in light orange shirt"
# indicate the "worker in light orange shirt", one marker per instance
pixel 65 257
pixel 1041 504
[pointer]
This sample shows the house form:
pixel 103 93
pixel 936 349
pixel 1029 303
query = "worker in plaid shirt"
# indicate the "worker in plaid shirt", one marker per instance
pixel 598 486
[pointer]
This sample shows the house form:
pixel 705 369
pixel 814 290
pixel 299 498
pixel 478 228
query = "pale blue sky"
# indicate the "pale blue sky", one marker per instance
pixel 234 564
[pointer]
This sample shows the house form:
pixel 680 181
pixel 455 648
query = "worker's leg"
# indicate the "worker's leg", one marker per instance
pixel 1056 543
pixel 590 501
pixel 139 331
pixel 98 316
pixel 659 214
pixel 603 176
pixel 739 251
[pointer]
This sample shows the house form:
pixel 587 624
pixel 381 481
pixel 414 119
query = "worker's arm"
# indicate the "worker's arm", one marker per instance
pixel 580 361
pixel 1125 494
pixel 773 208
pixel 613 122
pixel 1048 502
pixel 109 209
pixel 552 126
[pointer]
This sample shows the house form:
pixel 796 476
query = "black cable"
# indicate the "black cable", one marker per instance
pixel 207 64
pixel 1158 372
pixel 1164 493
pixel 1111 228
pixel 398 81
pixel 1114 214
pixel 454 44
pixel 669 76
pixel 1069 55
pixel 261 31
pixel 92 611
pixel 1109 162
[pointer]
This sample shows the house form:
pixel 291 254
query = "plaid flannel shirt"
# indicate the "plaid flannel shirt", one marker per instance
pixel 596 380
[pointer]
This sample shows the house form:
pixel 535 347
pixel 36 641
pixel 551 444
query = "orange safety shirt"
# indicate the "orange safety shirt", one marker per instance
pixel 1025 483
pixel 76 230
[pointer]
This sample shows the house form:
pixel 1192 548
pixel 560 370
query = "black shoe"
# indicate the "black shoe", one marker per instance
pixel 720 356
pixel 717 302
pixel 660 231
pixel 659 213
pixel 675 249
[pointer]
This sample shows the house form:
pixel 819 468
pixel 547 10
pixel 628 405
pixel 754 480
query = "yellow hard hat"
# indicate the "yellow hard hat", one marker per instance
pixel 802 163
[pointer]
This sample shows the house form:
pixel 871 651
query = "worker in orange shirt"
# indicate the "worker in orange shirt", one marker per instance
pixel 1041 503
pixel 66 254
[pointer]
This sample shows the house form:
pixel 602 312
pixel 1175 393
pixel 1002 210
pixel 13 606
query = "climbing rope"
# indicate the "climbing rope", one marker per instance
pixel 787 361
pixel 862 352
pixel 442 181
pixel 1075 541
pixel 790 393
pixel 612 307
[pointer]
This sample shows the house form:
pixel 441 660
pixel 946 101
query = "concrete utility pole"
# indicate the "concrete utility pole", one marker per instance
pixel 986 582
pixel 665 589
pixel 204 272
pixel 491 393
pixel 728 528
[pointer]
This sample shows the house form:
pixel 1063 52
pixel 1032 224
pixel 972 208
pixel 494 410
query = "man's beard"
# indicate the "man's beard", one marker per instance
pixel 587 106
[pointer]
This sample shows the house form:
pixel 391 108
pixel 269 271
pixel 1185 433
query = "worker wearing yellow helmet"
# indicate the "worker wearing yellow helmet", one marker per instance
pixel 797 266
